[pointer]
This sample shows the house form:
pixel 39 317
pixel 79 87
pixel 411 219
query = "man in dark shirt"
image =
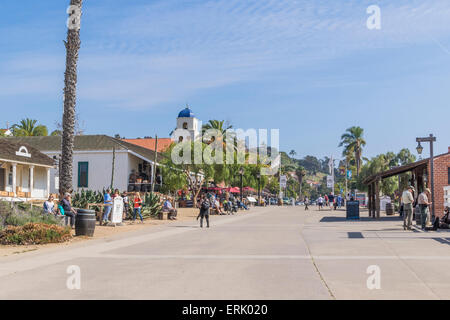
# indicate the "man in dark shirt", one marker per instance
pixel 68 210
pixel 331 200
pixel 204 211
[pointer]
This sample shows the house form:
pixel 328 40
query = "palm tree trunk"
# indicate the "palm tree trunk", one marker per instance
pixel 358 162
pixel 300 181
pixel 70 81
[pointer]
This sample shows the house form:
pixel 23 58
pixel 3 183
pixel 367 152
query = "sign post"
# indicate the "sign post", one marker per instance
pixel 330 182
pixel 283 181
pixel 117 210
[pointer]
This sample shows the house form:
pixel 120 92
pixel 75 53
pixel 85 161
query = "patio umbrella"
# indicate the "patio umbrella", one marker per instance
pixel 234 190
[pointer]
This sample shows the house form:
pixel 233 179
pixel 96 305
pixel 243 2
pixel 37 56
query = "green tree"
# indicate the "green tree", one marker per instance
pixel 194 174
pixel 311 164
pixel 219 125
pixel 57 133
pixel 28 127
pixel 353 141
pixel 405 157
pixel 380 163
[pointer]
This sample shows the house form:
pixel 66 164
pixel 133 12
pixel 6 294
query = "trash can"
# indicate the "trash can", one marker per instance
pixel 85 222
pixel 390 209
pixel 353 210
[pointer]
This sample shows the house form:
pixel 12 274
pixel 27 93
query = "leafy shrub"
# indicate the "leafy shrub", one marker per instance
pixel 20 214
pixel 34 233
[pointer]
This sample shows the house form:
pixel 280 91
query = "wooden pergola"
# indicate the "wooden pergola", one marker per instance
pixel 418 179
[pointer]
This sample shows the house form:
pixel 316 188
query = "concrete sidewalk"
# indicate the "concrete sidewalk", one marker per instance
pixel 267 253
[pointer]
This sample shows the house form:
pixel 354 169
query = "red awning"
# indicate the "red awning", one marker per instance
pixel 234 190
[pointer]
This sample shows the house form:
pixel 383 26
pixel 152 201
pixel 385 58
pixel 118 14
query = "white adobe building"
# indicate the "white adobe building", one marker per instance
pixel 24 172
pixel 93 161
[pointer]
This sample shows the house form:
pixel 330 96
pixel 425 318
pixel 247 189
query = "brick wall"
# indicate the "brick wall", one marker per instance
pixel 441 167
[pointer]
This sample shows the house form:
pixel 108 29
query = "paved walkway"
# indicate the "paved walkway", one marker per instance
pixel 267 253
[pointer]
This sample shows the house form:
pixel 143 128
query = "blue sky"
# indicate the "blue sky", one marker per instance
pixel 310 68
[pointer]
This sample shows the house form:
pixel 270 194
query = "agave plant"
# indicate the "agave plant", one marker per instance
pixel 84 197
pixel 151 205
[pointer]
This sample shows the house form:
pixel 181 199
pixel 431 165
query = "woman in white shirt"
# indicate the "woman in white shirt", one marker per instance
pixel 49 206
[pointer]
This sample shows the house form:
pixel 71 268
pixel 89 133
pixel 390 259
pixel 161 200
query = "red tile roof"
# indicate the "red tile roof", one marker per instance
pixel 149 143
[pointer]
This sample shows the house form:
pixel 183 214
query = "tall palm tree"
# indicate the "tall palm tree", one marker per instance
pixel 28 128
pixel 292 153
pixel 221 127
pixel 301 173
pixel 353 141
pixel 72 44
pixel 218 125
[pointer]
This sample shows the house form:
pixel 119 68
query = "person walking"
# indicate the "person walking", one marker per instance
pixel 320 202
pixel 331 200
pixel 424 205
pixel 306 203
pixel 408 200
pixel 137 207
pixel 204 211
pixel 339 201
pixel 107 201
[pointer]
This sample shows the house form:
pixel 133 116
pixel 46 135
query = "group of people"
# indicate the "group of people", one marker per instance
pixel 63 208
pixel 210 203
pixel 108 202
pixel 220 204
pixel 330 201
pixel 137 201
pixel 421 203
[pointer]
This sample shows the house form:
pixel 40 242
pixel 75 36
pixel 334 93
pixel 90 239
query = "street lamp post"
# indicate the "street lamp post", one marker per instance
pixel 259 188
pixel 241 172
pixel 154 166
pixel 419 149
pixel 345 174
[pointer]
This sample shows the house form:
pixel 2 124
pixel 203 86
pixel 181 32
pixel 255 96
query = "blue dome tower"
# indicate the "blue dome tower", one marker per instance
pixel 186 113
pixel 187 122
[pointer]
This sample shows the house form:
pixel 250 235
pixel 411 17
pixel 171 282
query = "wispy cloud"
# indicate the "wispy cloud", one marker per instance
pixel 142 56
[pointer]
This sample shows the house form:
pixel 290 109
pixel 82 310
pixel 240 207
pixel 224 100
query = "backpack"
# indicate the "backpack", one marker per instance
pixel 205 205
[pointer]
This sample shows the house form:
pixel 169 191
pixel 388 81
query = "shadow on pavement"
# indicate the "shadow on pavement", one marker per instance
pixel 355 235
pixel 365 219
pixel 184 226
pixel 442 240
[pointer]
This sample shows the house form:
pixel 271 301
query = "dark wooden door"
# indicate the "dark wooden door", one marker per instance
pixel 2 179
